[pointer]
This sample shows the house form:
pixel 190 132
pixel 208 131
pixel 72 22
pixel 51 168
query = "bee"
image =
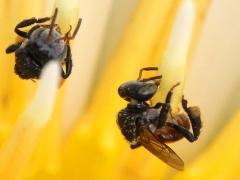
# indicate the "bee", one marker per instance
pixel 152 126
pixel 42 43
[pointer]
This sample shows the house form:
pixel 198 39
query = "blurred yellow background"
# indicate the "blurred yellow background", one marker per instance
pixel 118 37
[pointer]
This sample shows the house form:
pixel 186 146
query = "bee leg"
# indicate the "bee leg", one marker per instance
pixel 187 134
pixel 12 48
pixel 166 108
pixel 158 105
pixel 134 146
pixel 68 61
pixel 76 30
pixel 28 22
pixel 31 30
pixel 194 116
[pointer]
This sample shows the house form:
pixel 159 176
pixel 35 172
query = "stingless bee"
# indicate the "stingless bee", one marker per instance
pixel 42 43
pixel 153 126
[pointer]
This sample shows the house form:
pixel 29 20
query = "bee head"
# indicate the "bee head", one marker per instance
pixel 138 90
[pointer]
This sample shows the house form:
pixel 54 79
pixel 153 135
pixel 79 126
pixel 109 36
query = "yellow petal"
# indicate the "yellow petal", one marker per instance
pixel 85 51
pixel 19 146
pixel 221 159
pixel 132 54
pixel 13 89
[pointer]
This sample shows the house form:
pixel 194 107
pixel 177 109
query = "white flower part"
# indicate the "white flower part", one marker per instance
pixel 68 14
pixel 174 61
pixel 19 146
pixel 41 107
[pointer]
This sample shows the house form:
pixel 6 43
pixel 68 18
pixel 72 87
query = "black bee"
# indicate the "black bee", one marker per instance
pixel 41 44
pixel 153 126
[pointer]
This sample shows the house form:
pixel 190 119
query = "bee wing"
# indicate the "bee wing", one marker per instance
pixel 161 150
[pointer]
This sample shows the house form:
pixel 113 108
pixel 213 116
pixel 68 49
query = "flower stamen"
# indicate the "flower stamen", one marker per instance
pixel 174 62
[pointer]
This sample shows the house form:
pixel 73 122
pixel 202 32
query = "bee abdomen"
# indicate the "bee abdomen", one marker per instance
pixel 25 67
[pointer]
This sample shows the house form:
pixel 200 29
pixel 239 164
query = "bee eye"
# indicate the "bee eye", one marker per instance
pixel 147 91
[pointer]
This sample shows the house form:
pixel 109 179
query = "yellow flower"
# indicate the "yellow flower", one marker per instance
pixel 71 132
pixel 15 153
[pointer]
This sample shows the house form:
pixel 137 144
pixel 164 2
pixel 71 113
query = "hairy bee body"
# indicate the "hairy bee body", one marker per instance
pixel 41 44
pixel 36 51
pixel 151 126
pixel 132 117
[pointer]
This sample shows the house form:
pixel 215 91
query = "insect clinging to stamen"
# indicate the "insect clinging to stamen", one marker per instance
pixel 152 126
pixel 41 44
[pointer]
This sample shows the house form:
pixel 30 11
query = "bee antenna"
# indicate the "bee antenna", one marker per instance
pixel 146 69
pixel 53 22
pixel 77 28
pixel 151 78
pixel 177 84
